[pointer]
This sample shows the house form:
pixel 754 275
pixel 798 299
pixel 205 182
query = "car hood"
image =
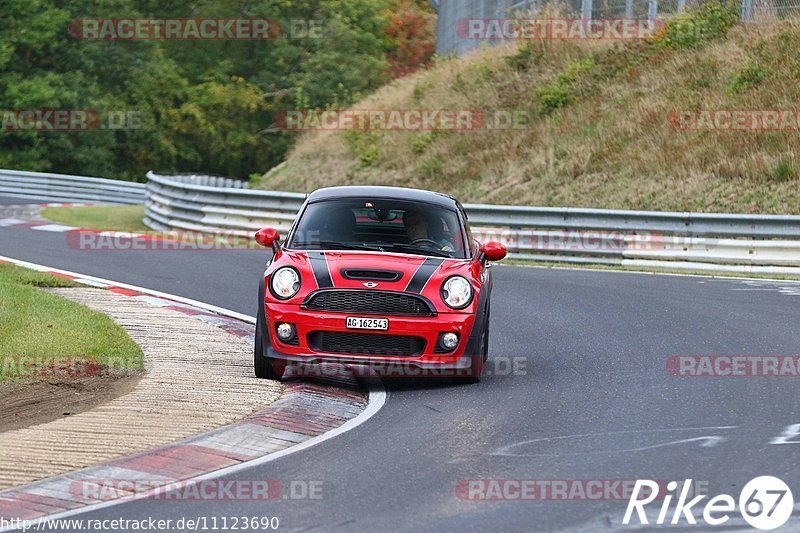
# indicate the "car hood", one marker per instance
pixel 373 271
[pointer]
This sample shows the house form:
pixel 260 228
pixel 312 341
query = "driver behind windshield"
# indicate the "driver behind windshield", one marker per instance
pixel 422 231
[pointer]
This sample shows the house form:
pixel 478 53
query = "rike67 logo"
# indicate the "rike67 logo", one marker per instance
pixel 765 503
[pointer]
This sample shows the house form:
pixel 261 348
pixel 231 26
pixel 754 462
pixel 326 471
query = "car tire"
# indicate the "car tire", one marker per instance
pixel 478 360
pixel 266 367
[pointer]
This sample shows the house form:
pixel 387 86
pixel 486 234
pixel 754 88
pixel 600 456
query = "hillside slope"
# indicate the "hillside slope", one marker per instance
pixel 602 129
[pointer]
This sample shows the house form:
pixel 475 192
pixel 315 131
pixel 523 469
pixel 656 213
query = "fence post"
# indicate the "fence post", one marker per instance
pixel 747 10
pixel 652 9
pixel 629 9
pixel 586 9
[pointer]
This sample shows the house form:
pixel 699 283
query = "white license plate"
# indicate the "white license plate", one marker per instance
pixel 355 322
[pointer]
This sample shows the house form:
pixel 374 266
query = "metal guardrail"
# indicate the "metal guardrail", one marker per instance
pixel 179 204
pixel 695 241
pixel 66 188
pixel 683 241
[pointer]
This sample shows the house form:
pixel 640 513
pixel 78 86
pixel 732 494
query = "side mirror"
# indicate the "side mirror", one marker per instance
pixel 269 238
pixel 494 251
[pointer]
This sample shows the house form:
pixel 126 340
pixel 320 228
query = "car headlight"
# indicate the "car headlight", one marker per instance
pixel 457 292
pixel 285 283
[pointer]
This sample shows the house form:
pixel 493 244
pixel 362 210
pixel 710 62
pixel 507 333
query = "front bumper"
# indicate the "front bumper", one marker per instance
pixel 427 328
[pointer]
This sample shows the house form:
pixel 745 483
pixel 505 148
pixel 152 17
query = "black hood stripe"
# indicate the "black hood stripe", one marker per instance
pixel 423 274
pixel 319 265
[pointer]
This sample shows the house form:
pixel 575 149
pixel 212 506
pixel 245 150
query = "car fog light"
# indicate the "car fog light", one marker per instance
pixel 285 331
pixel 449 341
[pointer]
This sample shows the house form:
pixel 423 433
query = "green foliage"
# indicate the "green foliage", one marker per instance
pixel 711 20
pixel 528 54
pixel 552 97
pixel 751 76
pixel 199 105
pixel 364 145
pixel 421 143
pixel 567 84
pixel 433 168
pixel 785 170
pixel 369 155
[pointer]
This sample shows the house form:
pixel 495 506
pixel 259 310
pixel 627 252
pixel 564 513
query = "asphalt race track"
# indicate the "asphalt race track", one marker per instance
pixel 591 398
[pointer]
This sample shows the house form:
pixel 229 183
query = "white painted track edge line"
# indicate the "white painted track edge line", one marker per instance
pixel 644 272
pixel 180 299
pixel 377 399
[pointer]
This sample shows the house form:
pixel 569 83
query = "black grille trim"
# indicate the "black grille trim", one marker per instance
pixel 440 350
pixel 371 275
pixel 345 342
pixel 370 302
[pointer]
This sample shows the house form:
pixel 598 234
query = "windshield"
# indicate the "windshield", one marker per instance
pixel 380 225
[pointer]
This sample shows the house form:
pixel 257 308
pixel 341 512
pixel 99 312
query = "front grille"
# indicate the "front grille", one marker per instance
pixel 372 302
pixel 365 343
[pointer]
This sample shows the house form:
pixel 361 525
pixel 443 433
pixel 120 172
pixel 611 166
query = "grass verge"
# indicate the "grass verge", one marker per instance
pixel 99 217
pixel 43 336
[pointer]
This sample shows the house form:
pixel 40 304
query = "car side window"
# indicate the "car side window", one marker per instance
pixel 470 239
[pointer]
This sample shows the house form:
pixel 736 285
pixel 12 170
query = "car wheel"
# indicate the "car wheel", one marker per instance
pixel 486 335
pixel 478 360
pixel 266 367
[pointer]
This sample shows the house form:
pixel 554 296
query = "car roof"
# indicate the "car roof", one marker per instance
pixel 379 192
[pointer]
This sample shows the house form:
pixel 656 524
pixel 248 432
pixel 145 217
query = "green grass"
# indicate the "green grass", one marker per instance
pixel 40 331
pixel 99 217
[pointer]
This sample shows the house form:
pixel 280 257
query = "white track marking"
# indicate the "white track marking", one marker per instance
pixel 649 273
pixel 377 399
pixel 56 228
pixel 708 441
pixel 106 282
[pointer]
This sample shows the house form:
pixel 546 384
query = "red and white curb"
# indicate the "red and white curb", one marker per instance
pixel 28 216
pixel 306 414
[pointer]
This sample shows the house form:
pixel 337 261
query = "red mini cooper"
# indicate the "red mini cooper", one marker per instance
pixel 380 277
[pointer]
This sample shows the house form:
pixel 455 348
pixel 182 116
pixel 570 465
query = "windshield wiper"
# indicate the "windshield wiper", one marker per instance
pixel 419 249
pixel 341 245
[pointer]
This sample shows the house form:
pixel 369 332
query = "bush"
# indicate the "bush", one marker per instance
pixel 567 84
pixel 748 78
pixel 711 20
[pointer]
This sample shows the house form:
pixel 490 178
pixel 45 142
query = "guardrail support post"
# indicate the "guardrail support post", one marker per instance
pixel 652 9
pixel 747 10
pixel 586 9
